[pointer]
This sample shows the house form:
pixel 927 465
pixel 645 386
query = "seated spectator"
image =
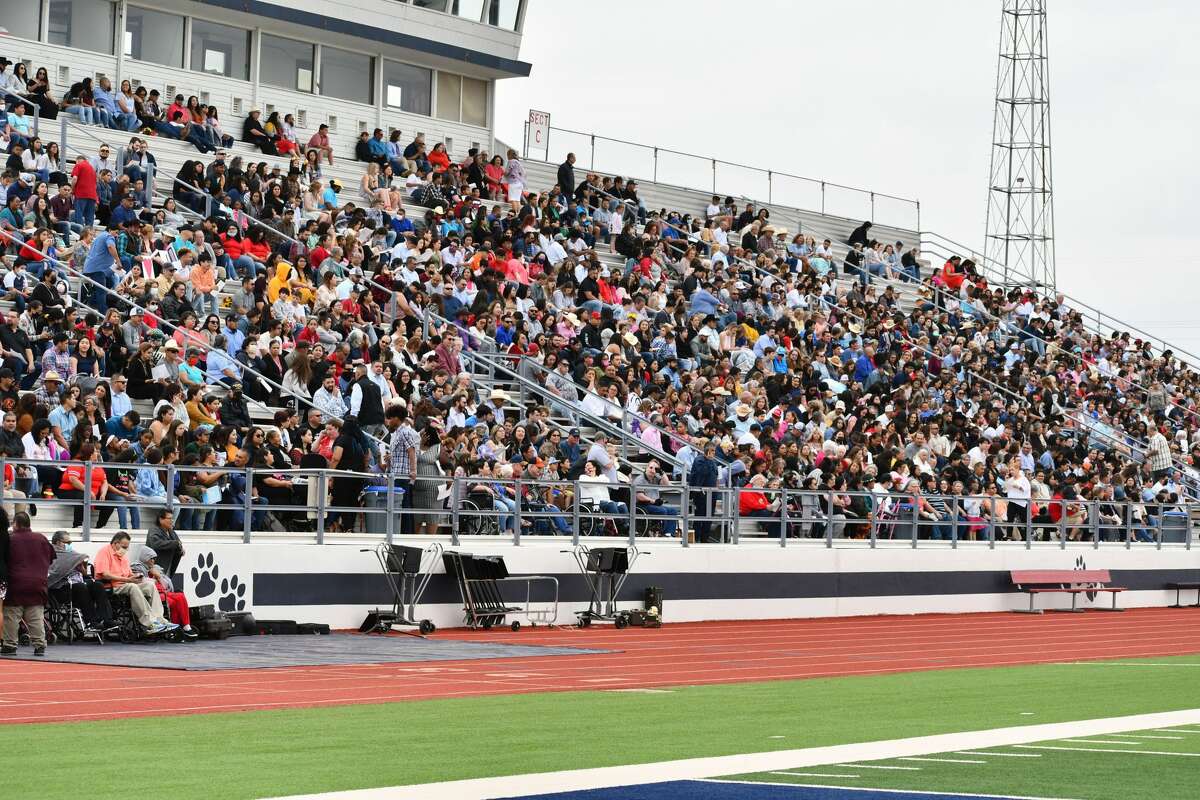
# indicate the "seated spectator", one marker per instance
pixel 254 133
pixel 145 564
pixel 69 583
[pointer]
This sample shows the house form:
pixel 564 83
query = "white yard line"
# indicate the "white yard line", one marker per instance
pixel 1001 755
pixel 1096 741
pixel 874 766
pixel 817 774
pixel 698 768
pixel 944 760
pixel 1148 736
pixel 1108 750
pixel 1172 730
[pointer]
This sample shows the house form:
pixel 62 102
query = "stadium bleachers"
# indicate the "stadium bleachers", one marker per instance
pixel 884 390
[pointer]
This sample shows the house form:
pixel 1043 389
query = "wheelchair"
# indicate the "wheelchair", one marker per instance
pixel 475 524
pixel 128 630
pixel 64 624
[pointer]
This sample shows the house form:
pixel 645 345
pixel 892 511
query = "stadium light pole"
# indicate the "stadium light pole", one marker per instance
pixel 1020 210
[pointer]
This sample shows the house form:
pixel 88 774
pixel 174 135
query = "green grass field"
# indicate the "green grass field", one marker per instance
pixel 1140 765
pixel 257 753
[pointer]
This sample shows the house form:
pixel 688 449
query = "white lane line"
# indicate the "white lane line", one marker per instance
pixel 1097 741
pixel 944 760
pixel 876 766
pixel 816 774
pixel 1107 750
pixel 700 768
pixel 1001 755
pixel 1148 736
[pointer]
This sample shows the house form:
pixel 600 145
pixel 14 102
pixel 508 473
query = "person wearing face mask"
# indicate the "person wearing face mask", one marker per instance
pixel 69 584
pixel 113 570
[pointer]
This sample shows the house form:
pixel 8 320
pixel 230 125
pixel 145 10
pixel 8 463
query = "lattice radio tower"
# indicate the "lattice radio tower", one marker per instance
pixel 1020 210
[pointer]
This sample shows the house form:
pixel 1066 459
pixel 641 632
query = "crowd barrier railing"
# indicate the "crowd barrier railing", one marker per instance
pixel 461 507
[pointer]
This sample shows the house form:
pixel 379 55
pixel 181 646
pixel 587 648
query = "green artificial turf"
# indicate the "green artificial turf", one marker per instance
pixel 1084 775
pixel 262 753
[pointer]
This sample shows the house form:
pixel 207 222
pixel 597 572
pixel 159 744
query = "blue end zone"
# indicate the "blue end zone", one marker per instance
pixel 706 790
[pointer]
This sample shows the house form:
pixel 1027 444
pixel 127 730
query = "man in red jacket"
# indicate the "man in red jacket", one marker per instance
pixel 29 558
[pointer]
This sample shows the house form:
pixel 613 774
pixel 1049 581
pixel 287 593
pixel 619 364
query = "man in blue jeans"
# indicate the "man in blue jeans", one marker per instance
pixel 99 267
pixel 649 497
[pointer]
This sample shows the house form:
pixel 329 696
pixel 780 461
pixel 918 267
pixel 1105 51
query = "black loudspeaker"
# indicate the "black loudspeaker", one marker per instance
pixel 403 559
pixel 609 560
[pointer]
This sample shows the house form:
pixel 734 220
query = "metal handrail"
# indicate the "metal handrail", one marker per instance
pixel 497 365
pixel 716 161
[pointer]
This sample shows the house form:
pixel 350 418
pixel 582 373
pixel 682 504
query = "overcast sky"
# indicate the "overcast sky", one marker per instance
pixel 898 97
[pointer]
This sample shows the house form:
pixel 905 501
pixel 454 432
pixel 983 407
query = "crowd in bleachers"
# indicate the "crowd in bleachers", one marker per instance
pixel 734 347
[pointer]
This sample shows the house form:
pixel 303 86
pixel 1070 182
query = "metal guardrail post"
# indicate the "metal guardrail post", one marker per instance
pixel 248 506
pixel 575 518
pixel 1062 526
pixel 390 502
pixel 822 197
pixel 592 157
pixel 685 509
pixel 916 523
pixel 149 184
pixel 87 501
pixel 208 201
pixel 322 493
pixel 170 487
pixel 655 169
pixel 829 525
pixel 517 516
pixel 783 519
pixel 1029 524
pixel 455 501
pixel 633 514
pixel 735 533
pixel 770 187
pixel 954 528
pixel 714 176
pixel 991 526
pixel 1097 526
pixel 872 206
pixel 918 202
pixel 62 137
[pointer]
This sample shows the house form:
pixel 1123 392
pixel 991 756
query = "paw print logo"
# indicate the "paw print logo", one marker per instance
pixel 204 575
pixel 233 595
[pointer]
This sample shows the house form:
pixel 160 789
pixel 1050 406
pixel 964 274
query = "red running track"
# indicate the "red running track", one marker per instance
pixel 692 653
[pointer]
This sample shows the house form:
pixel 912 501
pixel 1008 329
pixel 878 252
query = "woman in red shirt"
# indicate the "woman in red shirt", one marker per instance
pixel 72 486
pixel 439 158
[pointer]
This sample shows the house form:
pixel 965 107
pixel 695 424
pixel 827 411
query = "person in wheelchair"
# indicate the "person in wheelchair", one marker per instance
pixel 541 499
pixel 649 497
pixel 594 496
pixel 145 562
pixel 70 585
pixel 114 572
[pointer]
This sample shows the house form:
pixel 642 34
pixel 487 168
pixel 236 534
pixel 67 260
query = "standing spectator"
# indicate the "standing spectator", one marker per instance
pixel 101 261
pixel 514 176
pixel 83 185
pixel 163 539
pixel 566 176
pixel 29 559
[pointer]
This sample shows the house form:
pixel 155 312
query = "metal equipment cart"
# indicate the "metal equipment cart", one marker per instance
pixel 605 570
pixel 408 570
pixel 484 606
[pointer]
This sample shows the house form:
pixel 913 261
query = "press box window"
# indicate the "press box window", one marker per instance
pixel 154 37
pixel 286 63
pixel 220 49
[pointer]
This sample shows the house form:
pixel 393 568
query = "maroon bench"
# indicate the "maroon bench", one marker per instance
pixel 1064 581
